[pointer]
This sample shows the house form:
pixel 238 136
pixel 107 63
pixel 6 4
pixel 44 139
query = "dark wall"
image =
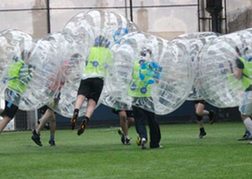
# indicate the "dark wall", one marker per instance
pixel 21 120
pixel 103 116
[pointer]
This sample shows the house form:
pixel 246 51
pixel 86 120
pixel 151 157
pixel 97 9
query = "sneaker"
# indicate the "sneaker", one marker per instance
pixel 211 117
pixel 82 126
pixel 250 143
pixel 143 143
pixel 138 141
pixel 157 147
pixel 126 141
pixel 74 120
pixel 246 136
pixel 120 132
pixel 36 138
pixel 202 134
pixel 52 142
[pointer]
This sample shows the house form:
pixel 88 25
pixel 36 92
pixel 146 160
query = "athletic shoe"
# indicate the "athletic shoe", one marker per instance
pixel 138 141
pixel 36 138
pixel 246 136
pixel 74 120
pixel 52 142
pixel 250 143
pixel 143 143
pixel 120 132
pixel 157 147
pixel 82 126
pixel 126 141
pixel 202 134
pixel 211 117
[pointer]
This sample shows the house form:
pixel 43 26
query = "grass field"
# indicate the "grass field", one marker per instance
pixel 98 154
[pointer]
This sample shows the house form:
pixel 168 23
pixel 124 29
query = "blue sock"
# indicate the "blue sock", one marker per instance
pixel 247 132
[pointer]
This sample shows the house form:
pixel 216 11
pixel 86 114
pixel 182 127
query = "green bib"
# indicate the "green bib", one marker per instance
pixel 138 87
pixel 13 72
pixel 98 61
pixel 246 73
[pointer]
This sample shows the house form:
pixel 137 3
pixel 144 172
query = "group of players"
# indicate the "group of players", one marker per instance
pixel 91 87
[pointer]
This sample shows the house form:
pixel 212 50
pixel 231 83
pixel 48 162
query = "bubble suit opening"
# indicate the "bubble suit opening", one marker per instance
pixel 152 67
pixel 193 43
pixel 217 82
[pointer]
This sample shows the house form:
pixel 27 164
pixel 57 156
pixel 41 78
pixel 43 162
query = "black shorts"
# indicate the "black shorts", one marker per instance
pixel 10 111
pixel 128 112
pixel 91 88
pixel 43 109
pixel 200 101
pixel 55 102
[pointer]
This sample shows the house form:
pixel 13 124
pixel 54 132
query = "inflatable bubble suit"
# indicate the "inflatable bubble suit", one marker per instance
pixel 27 74
pixel 217 66
pixel 194 42
pixel 96 31
pixel 69 73
pixel 12 43
pixel 151 67
pixel 98 27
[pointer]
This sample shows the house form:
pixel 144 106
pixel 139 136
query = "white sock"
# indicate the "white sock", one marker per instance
pixel 126 137
pixel 248 123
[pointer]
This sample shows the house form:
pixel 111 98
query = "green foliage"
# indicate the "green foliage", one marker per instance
pixel 98 153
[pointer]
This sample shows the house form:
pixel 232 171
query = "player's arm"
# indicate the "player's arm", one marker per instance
pixel 238 68
pixel 25 74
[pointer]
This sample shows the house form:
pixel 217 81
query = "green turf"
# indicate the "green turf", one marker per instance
pixel 98 154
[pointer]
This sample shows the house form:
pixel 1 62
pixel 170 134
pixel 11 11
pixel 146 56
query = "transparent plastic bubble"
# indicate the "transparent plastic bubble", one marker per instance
pixel 217 66
pixel 68 75
pixel 12 42
pixel 20 72
pixel 97 24
pixel 38 76
pixel 193 43
pixel 113 102
pixel 5 62
pixel 148 66
pixel 98 30
pixel 118 103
